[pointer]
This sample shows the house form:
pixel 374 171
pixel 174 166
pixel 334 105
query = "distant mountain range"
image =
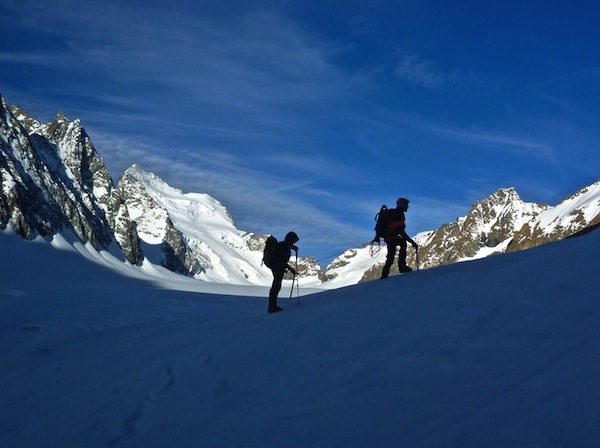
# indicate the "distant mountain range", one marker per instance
pixel 500 223
pixel 53 181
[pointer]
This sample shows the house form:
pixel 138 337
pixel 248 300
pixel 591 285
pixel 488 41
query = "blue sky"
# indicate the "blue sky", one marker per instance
pixel 308 115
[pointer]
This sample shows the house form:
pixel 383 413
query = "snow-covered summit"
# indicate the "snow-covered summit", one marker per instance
pixel 570 216
pixel 498 223
pixel 189 232
pixel 581 208
pixel 55 182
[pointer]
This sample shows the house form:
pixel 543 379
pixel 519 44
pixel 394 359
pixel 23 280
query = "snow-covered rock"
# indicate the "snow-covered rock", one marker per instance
pixel 502 222
pixel 53 181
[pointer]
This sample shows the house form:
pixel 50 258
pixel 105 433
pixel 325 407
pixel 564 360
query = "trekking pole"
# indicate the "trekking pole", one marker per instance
pixel 292 290
pixel 294 278
pixel 417 254
pixel 297 284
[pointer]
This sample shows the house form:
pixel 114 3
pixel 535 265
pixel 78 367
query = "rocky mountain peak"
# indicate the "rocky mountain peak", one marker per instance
pixel 488 228
pixel 53 180
pixel 59 122
pixel 505 197
pixel 571 215
pixel 176 229
pixel 493 206
pixel 23 118
pixel 57 181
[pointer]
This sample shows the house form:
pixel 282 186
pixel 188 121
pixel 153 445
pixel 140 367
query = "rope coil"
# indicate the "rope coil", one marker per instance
pixel 374 248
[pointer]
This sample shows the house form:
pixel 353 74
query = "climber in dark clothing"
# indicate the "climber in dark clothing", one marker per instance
pixel 281 256
pixel 395 235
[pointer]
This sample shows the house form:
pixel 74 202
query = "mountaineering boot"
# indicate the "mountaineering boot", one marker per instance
pixel 274 309
pixel 403 269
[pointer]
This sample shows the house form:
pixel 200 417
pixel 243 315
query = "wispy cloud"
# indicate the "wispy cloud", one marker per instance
pixel 261 202
pixel 422 72
pixel 286 120
pixel 253 62
pixel 34 58
pixel 397 126
pixel 522 146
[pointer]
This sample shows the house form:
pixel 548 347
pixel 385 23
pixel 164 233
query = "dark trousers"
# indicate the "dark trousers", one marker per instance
pixel 391 253
pixel 275 288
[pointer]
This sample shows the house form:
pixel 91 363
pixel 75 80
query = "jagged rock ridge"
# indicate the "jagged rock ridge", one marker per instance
pixel 500 223
pixel 53 180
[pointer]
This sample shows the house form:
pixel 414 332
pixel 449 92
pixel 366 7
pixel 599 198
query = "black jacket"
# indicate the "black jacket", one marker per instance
pixel 283 252
pixel 281 256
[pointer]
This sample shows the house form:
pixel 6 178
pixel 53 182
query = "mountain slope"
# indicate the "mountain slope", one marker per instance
pixel 493 352
pixel 190 233
pixel 573 214
pixel 53 181
pixel 500 223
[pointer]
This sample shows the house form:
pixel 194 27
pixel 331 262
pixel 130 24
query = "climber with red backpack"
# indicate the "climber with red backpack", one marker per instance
pixel 391 227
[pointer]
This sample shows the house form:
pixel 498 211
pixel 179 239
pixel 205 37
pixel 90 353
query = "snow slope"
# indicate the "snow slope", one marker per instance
pixel 499 352
pixel 212 239
pixel 582 206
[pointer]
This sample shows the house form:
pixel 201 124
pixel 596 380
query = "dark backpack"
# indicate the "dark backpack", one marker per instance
pixel 382 220
pixel 269 251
